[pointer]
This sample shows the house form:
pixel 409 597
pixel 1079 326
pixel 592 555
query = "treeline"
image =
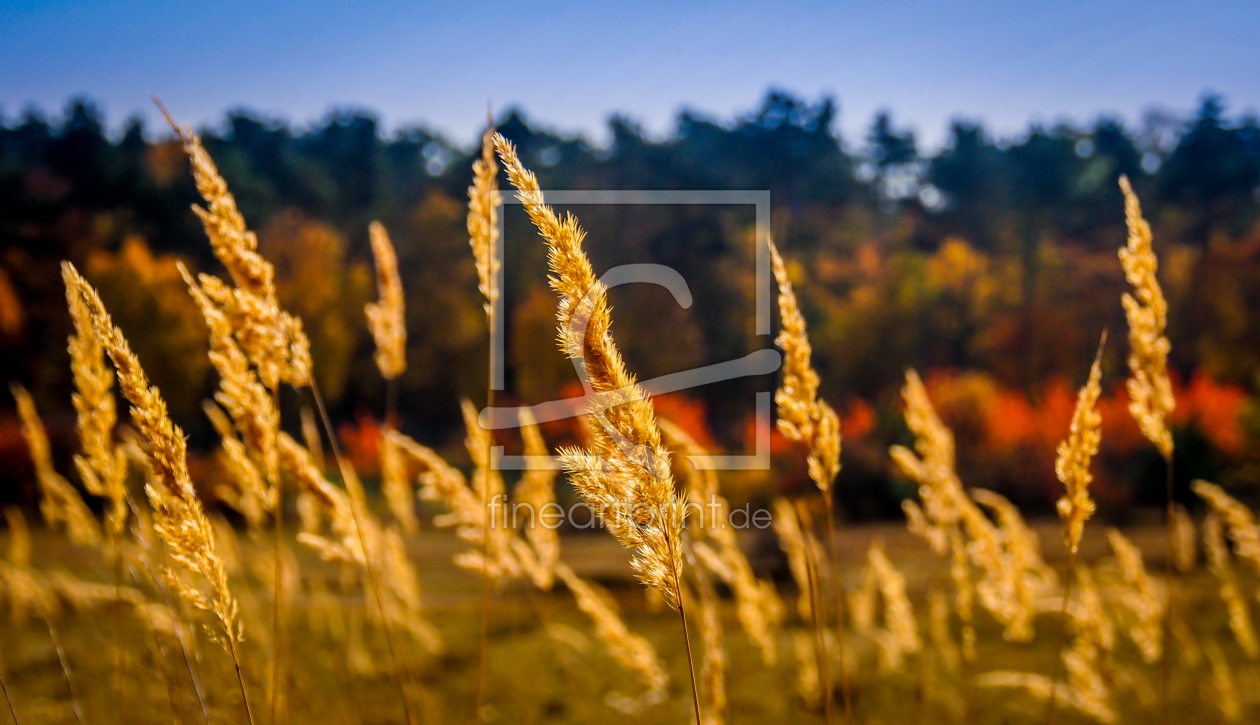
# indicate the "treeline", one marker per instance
pixel 993 253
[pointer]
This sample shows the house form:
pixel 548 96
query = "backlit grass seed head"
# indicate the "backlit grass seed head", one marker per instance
pixel 930 465
pixel 342 543
pixel 387 317
pixel 233 243
pixel 467 515
pixel 396 484
pixel 1075 454
pixel 272 338
pixel 792 541
pixel 101 464
pixel 487 487
pixel 18 552
pixel 1150 391
pixel 1042 687
pixel 1218 560
pixel 241 393
pixel 807 679
pixel 630 650
pixel 803 417
pixel 964 592
pixel 403 603
pixel 1227 698
pixel 26 592
pixel 1025 576
pixel 1141 597
pixel 1240 524
pixel 361 542
pixel 1089 613
pixel 59 501
pixel 940 630
pixel 248 493
pixel 536 492
pixel 483 220
pixel 625 475
pixel 902 630
pixel 948 515
pixel 178 515
pixel 758 606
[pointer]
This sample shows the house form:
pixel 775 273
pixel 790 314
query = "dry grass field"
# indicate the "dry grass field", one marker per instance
pixel 161 611
pixel 552 673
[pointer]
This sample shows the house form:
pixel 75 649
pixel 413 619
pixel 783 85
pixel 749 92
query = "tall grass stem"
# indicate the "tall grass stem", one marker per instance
pixel 367 557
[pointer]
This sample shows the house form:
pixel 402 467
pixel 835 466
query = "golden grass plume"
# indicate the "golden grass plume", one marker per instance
pixel 1218 561
pixel 102 465
pixel 273 339
pixel 757 604
pixel 241 393
pixel 1141 596
pixel 803 417
pixel 1150 391
pixel 625 475
pixel 59 501
pixel 396 484
pixel 631 650
pixel 536 493
pixel 1074 455
pixel 484 201
pixel 178 515
pixel 1240 523
pixel 387 318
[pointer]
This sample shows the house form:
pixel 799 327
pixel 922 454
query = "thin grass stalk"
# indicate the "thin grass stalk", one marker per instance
pixel 835 594
pixel 626 462
pixel 277 613
pixel 483 239
pixel 183 647
pixel 240 679
pixel 1071 466
pixel 179 631
pixel 1150 389
pixel 1060 636
pixel 691 662
pixel 483 641
pixel 810 421
pixel 192 673
pixel 65 669
pixel 373 582
pixel 173 701
pixel 1166 627
pixel 118 623
pixel 8 700
pixel 182 526
pixel 815 606
pixel 391 401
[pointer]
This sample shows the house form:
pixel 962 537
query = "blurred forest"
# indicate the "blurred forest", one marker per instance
pixel 990 265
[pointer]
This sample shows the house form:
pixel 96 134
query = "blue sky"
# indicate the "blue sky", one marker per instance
pixel 570 65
